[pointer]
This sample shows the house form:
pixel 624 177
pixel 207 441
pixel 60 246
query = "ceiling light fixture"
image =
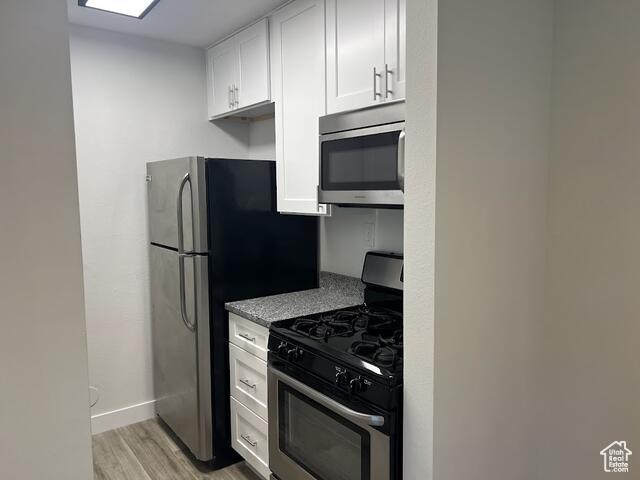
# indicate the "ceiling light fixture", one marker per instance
pixel 130 8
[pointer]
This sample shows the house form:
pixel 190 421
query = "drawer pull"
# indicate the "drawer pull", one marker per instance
pixel 246 336
pixel 247 439
pixel 248 383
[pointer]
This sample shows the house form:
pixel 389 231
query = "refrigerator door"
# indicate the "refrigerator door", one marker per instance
pixel 181 351
pixel 175 184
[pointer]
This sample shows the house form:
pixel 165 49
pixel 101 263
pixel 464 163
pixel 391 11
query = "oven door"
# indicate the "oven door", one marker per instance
pixel 363 166
pixel 313 437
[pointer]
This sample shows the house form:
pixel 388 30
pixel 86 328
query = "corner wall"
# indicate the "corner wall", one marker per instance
pixel 44 398
pixel 494 91
pixel 590 351
pixel 419 238
pixel 135 100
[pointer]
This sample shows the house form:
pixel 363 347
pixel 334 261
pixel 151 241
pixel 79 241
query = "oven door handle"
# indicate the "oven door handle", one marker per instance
pixel 371 420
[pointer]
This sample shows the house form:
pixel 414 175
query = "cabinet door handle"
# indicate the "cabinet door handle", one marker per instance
pixel 246 336
pixel 387 72
pixel 248 383
pixel 376 94
pixel 237 95
pixel 247 439
pixel 230 95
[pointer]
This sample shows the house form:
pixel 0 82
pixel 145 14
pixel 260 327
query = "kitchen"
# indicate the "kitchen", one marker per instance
pixel 251 227
pixel 253 278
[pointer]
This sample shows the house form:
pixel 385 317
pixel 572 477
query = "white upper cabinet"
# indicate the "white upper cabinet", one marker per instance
pixel 221 76
pixel 253 85
pixel 365 51
pixel 238 71
pixel 298 88
pixel 395 48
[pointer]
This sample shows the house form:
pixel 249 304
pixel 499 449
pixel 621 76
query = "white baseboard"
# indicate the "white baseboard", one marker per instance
pixel 122 417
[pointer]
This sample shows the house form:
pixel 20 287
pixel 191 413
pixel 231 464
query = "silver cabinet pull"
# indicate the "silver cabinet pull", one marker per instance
pixel 247 439
pixel 387 72
pixel 246 336
pixel 248 383
pixel 182 255
pixel 237 95
pixel 230 95
pixel 400 165
pixel 376 94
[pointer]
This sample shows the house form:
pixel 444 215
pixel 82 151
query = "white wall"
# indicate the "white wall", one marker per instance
pixel 262 139
pixel 44 412
pixel 493 93
pixel 350 233
pixel 589 352
pixel 135 101
pixel 419 238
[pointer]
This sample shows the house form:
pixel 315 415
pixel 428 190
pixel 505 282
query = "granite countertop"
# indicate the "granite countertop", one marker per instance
pixel 336 291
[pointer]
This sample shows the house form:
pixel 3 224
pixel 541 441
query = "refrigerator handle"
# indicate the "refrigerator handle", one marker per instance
pixel 186 179
pixel 182 255
pixel 183 293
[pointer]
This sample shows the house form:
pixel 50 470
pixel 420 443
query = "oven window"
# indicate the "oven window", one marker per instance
pixel 320 441
pixel 361 163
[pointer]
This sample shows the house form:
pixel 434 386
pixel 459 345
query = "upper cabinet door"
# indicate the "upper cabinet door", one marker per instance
pixel 365 53
pixel 298 87
pixel 395 49
pixel 355 53
pixel 222 61
pixel 253 65
pixel 238 72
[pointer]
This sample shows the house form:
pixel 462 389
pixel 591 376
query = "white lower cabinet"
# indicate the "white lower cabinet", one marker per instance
pixel 248 387
pixel 248 378
pixel 249 437
pixel 248 336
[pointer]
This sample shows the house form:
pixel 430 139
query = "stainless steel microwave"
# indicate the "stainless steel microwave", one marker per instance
pixel 362 157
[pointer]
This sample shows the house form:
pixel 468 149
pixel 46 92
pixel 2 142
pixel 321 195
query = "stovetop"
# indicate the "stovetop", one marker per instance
pixel 368 337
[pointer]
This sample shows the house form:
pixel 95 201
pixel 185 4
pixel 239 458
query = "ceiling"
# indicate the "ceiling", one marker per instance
pixel 191 22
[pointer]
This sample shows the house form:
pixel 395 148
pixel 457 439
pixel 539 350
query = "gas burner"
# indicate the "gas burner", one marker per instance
pixel 324 328
pixel 394 340
pixel 377 352
pixel 341 316
pixel 382 327
pixel 304 325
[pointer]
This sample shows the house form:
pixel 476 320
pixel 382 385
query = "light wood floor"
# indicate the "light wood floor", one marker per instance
pixel 145 451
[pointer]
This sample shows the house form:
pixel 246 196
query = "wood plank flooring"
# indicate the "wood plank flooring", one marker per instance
pixel 145 451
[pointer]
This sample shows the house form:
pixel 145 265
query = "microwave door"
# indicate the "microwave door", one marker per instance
pixel 364 166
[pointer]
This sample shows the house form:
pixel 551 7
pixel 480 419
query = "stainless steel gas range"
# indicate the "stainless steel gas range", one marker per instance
pixel 335 386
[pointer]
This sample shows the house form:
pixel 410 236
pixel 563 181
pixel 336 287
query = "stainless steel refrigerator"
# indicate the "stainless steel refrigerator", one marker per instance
pixel 215 236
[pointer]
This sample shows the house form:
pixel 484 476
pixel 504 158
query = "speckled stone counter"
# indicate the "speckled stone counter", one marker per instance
pixel 336 291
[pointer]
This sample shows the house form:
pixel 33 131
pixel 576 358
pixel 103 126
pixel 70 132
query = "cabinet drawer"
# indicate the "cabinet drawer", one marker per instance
pixel 248 378
pixel 249 437
pixel 248 335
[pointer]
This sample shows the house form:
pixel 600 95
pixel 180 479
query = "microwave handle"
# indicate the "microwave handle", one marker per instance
pixel 400 163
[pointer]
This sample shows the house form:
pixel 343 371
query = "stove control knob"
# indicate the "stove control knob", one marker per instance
pixel 342 379
pixel 356 385
pixel 294 354
pixel 282 349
